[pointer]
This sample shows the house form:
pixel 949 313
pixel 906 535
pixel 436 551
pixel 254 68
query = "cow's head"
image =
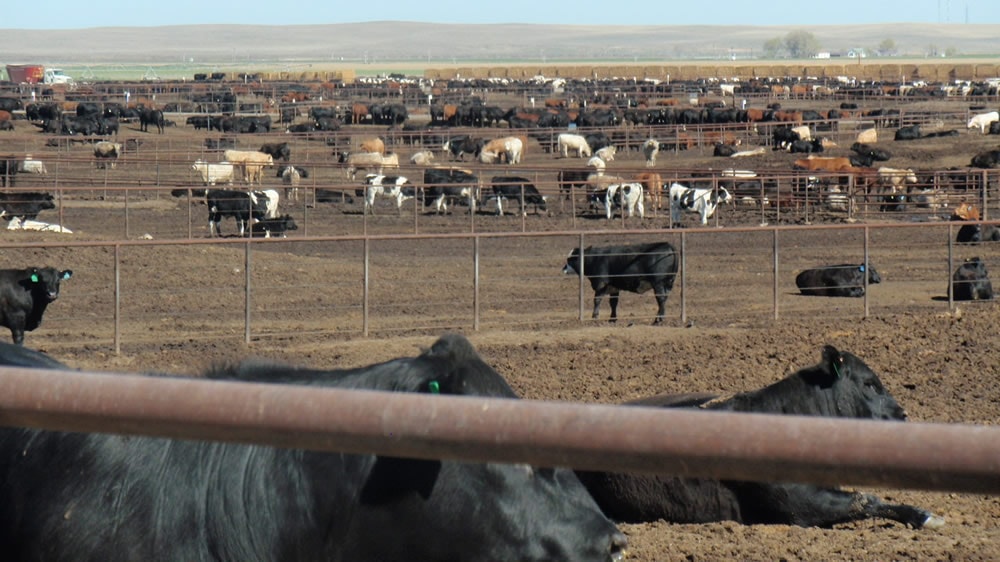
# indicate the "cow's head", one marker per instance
pixel 572 263
pixel 46 280
pixel 873 276
pixel 852 388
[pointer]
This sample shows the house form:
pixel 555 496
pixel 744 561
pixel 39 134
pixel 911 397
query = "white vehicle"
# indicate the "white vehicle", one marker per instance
pixel 56 76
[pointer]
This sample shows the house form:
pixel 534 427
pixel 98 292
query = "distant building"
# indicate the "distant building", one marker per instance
pixel 822 55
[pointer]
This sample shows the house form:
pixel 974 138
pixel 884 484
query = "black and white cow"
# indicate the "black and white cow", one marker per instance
pixel 844 280
pixel 461 145
pixel 518 189
pixel 273 227
pixel 695 200
pixel 245 207
pixel 971 282
pixel 635 268
pixel 448 185
pixel 391 187
pixel 25 204
pixel 841 385
pixel 78 496
pixel 24 296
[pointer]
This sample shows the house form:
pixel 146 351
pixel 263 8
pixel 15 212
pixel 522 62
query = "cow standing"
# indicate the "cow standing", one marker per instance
pixel 695 200
pixel 519 189
pixel 635 268
pixel 244 207
pixel 844 280
pixel 841 385
pixel 97 496
pixel 24 296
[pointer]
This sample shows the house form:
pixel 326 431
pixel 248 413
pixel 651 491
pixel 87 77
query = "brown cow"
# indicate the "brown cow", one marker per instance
pixel 825 164
pixel 359 113
pixel 372 144
pixel 652 185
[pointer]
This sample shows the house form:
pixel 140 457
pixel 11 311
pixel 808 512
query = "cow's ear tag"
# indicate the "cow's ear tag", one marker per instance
pixel 34 278
pixel 862 268
pixel 836 363
pixel 434 387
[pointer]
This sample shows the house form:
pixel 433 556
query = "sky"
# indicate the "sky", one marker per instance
pixel 67 14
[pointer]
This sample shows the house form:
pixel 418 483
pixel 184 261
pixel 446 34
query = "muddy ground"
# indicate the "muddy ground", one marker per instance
pixel 183 307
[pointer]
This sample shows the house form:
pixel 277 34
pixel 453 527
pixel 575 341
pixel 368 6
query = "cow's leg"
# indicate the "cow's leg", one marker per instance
pixel 613 301
pixel 812 506
pixel 661 304
pixel 17 329
pixel 499 206
pixel 598 297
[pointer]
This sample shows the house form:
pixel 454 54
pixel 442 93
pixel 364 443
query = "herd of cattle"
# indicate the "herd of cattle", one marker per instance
pixel 143 495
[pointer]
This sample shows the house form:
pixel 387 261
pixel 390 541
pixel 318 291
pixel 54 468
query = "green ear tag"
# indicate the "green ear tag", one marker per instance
pixel 434 387
pixel 34 278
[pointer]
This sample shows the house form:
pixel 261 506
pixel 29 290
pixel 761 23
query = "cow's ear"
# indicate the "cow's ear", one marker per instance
pixel 66 274
pixel 833 361
pixel 393 478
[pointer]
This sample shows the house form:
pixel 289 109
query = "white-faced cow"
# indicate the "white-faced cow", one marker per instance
pixel 844 280
pixel 695 200
pixel 971 282
pixel 24 296
pixel 841 385
pixel 77 496
pixel 635 268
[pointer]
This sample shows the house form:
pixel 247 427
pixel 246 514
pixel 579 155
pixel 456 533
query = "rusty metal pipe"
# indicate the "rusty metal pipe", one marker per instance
pixel 826 451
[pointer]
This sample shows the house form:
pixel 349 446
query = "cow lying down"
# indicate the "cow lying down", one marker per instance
pixel 75 496
pixel 841 385
pixel 27 224
pixel 844 280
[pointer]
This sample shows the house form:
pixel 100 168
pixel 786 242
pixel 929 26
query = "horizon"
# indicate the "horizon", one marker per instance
pixel 64 15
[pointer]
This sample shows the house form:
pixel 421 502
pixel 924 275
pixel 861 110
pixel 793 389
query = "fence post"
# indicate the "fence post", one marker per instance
pixel 118 297
pixel 951 265
pixel 683 277
pixel 582 277
pixel 246 298
pixel 364 292
pixel 774 254
pixel 475 283
pixel 867 267
pixel 986 179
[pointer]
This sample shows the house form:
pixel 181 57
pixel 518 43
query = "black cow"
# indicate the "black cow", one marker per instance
pixel 278 151
pixel 569 180
pixel 971 282
pixel 24 296
pixel 273 228
pixel 10 104
pixel 724 150
pixel 845 280
pixel 221 143
pixel 911 132
pixel 976 233
pixel 443 186
pixel 111 497
pixel 149 116
pixel 870 152
pixel 519 189
pixel 8 169
pixel 636 268
pixel 241 205
pixel 783 137
pixel 841 385
pixel 806 146
pixel 324 195
pixel 987 159
pixel 6 125
pixel 25 204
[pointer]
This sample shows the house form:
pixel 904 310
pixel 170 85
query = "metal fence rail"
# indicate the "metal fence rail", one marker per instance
pixel 942 457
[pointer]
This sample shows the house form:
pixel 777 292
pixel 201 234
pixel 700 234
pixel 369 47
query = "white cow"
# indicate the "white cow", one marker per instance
pixel 292 178
pixel 570 141
pixel 695 200
pixel 983 120
pixel 650 149
pixel 422 158
pixel 212 174
pixel 606 153
pixel 377 185
pixel 868 136
pixel 31 166
pixel 894 179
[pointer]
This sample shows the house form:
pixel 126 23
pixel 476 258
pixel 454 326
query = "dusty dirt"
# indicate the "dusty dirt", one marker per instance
pixel 183 309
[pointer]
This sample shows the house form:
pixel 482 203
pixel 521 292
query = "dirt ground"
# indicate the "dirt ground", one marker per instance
pixel 183 308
